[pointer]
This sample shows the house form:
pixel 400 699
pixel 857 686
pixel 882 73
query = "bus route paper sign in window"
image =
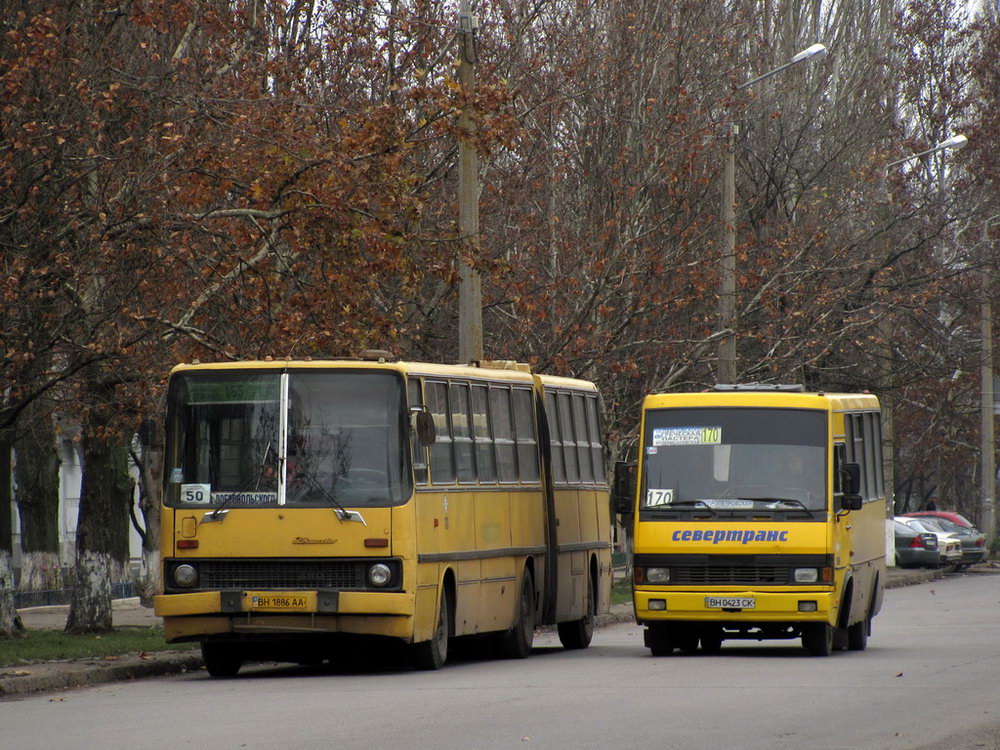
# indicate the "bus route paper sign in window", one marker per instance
pixel 673 436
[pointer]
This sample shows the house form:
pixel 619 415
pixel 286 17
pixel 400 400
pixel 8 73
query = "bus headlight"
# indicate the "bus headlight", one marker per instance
pixel 657 575
pixel 806 575
pixel 185 576
pixel 379 575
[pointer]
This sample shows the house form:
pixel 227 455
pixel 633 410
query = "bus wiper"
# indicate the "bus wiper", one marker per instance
pixel 339 510
pixel 219 514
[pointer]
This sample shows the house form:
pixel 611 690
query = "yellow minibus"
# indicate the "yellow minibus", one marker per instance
pixel 757 512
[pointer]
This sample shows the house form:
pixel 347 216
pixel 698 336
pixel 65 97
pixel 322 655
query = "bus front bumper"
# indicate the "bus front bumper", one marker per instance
pixel 192 616
pixel 735 606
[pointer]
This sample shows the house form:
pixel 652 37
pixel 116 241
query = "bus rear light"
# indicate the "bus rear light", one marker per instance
pixel 187 544
pixel 376 542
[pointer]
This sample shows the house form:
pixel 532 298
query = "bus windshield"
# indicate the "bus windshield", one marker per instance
pixel 303 438
pixel 734 459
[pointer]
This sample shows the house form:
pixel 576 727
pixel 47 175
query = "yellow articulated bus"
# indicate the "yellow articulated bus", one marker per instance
pixel 307 503
pixel 758 513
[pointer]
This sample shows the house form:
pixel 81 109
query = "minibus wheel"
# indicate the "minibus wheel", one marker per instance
pixel 817 637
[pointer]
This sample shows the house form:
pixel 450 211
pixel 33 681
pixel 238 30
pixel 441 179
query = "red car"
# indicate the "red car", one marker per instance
pixel 947 514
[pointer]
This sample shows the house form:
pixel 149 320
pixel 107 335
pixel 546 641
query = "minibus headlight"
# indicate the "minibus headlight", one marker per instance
pixel 379 575
pixel 185 576
pixel 657 575
pixel 806 575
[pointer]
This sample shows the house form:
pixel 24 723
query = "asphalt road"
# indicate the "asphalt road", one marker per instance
pixel 930 670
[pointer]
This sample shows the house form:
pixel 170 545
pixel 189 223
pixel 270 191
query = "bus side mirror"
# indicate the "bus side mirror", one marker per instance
pixel 426 432
pixel 623 492
pixel 851 499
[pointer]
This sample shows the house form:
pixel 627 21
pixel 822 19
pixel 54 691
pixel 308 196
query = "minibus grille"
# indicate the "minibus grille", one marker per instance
pixel 282 574
pixel 731 574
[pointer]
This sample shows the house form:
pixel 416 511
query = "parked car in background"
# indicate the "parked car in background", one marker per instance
pixel 915 549
pixel 972 539
pixel 949 545
pixel 947 514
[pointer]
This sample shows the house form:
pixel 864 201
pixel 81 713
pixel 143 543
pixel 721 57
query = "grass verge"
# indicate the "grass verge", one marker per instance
pixel 50 645
pixel 621 591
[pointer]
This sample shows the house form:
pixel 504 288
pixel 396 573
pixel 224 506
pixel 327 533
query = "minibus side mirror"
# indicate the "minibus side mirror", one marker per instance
pixel 623 492
pixel 851 499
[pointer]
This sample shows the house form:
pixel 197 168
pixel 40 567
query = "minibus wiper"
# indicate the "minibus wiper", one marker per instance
pixel 785 500
pixel 695 503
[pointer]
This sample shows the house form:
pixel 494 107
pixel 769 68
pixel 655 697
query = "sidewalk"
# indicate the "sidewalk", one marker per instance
pixel 72 673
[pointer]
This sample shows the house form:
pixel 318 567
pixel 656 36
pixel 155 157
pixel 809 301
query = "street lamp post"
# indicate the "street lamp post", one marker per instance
pixel 885 328
pixel 726 366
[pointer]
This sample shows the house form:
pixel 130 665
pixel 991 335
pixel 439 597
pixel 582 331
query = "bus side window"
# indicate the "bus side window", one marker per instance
pixel 503 433
pixel 482 436
pixel 582 443
pixel 568 439
pixel 524 434
pixel 442 457
pixel 594 433
pixel 465 460
pixel 555 443
pixel 417 451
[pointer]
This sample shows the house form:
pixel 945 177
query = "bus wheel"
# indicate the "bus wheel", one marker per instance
pixel 516 642
pixel 578 633
pixel 658 640
pixel 221 659
pixel 432 654
pixel 817 637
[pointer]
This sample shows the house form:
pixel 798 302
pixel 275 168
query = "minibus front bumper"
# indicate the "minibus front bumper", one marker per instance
pixel 799 605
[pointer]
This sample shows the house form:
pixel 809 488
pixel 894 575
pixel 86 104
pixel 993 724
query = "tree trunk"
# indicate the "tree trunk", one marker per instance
pixel 10 623
pixel 37 474
pixel 150 491
pixel 103 516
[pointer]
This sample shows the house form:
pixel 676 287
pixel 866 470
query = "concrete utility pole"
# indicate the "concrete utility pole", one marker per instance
pixel 470 294
pixel 987 518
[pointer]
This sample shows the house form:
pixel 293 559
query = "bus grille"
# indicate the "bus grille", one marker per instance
pixel 282 574
pixel 730 574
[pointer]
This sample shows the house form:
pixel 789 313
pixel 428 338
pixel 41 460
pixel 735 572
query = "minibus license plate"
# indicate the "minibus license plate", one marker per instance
pixel 283 602
pixel 730 602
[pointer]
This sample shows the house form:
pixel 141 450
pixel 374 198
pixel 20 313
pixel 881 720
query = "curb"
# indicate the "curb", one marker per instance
pixel 62 675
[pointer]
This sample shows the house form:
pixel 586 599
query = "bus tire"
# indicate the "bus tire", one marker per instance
pixel 432 654
pixel 817 637
pixel 221 659
pixel 578 633
pixel 516 643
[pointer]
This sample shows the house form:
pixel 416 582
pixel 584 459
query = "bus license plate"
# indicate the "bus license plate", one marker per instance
pixel 281 602
pixel 730 602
